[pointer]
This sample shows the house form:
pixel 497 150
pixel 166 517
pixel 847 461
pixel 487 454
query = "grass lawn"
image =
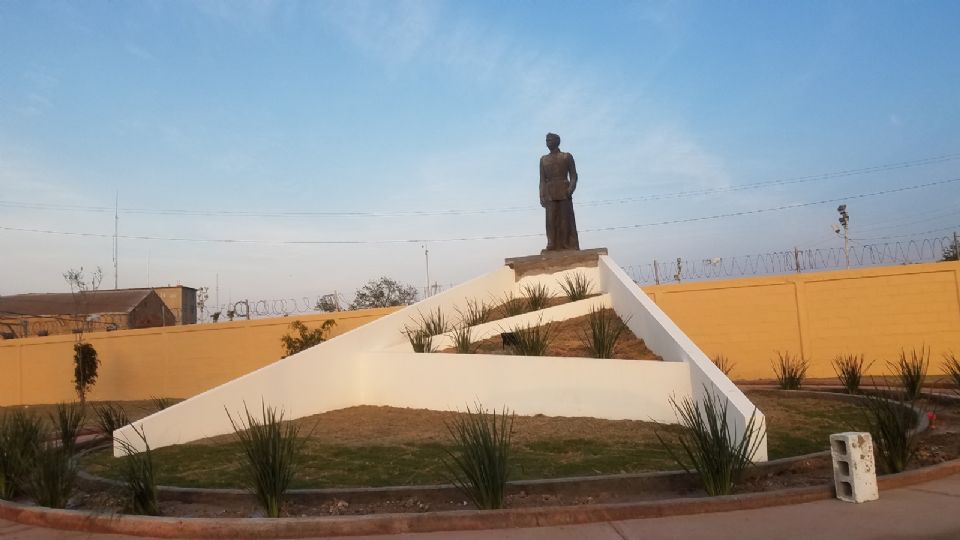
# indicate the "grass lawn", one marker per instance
pixel 383 446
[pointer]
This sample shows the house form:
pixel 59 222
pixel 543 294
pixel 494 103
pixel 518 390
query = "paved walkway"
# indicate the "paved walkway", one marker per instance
pixel 928 511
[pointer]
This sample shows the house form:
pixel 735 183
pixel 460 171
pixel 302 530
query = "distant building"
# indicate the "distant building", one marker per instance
pixel 42 314
pixel 182 301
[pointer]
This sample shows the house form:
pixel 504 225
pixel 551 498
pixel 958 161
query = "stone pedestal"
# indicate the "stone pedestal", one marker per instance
pixel 549 262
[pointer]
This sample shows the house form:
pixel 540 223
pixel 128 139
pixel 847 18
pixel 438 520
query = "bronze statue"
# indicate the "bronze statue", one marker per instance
pixel 558 180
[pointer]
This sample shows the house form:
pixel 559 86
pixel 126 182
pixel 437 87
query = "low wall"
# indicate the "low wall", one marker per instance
pixel 874 311
pixel 175 361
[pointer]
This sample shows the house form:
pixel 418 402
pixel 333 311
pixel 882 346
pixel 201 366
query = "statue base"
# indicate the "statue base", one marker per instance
pixel 548 262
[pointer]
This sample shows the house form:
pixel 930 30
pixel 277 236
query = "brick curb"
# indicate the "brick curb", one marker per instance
pixel 462 520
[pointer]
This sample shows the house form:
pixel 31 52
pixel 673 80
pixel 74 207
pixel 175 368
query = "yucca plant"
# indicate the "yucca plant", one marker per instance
pixel 139 477
pixel 724 364
pixel 912 371
pixel 434 323
pixel 273 453
pixel 110 417
pixel 475 312
pixel 67 421
pixel 532 340
pixel 605 329
pixel 576 286
pixel 420 340
pixel 479 462
pixel 21 439
pixel 790 370
pixel 161 403
pixel 709 446
pixel 849 369
pixel 513 306
pixel 891 422
pixel 53 478
pixel 951 366
pixel 537 295
pixel 461 340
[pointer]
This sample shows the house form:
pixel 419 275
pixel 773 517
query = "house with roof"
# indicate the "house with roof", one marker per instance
pixel 42 314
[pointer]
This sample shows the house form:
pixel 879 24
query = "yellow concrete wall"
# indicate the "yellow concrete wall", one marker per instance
pixel 875 312
pixel 178 361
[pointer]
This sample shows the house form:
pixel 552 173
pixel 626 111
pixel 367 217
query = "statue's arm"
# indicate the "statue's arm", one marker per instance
pixel 573 174
pixel 543 186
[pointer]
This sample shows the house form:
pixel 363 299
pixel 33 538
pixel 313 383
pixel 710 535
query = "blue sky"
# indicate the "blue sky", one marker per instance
pixel 267 108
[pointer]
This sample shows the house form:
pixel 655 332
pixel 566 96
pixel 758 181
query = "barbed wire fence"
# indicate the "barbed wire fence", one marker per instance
pixel 794 261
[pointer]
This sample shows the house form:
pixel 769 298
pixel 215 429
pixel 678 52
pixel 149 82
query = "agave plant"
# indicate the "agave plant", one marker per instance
pixel 479 463
pixel 849 369
pixel 538 296
pixel 912 371
pixel 531 339
pixel 21 440
pixel 462 340
pixel 605 330
pixel 790 370
pixel 110 417
pixel 576 286
pixel 68 420
pixel 475 312
pixel 139 476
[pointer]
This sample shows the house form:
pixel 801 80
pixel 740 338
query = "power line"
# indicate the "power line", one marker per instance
pixel 460 212
pixel 490 237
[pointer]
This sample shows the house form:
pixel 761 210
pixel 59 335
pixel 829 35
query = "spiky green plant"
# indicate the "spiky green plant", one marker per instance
pixel 790 370
pixel 513 306
pixel 21 439
pixel 912 371
pixel 161 403
pixel 53 478
pixel 273 452
pixel 537 296
pixel 532 339
pixel 67 421
pixel 461 340
pixel 110 417
pixel 475 312
pixel 951 366
pixel 605 330
pixel 724 364
pixel 419 340
pixel 849 369
pixel 709 445
pixel 576 286
pixel 891 422
pixel 139 476
pixel 434 323
pixel 479 462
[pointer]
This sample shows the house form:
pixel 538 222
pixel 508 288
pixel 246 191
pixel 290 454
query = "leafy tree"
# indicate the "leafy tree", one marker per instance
pixel 384 292
pixel 85 364
pixel 304 338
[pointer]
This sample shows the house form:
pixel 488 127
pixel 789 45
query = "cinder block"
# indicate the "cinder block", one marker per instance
pixel 854 472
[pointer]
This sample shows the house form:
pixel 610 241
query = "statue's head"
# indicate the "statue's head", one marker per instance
pixel 553 141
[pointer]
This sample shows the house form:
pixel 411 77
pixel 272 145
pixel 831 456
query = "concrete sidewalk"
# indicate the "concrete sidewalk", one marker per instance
pixel 928 511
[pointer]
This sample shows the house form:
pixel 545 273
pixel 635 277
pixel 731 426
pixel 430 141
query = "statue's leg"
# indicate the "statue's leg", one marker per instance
pixel 551 223
pixel 570 222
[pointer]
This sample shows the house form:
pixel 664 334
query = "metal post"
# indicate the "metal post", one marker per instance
pixel 796 258
pixel 656 272
pixel 846 246
pixel 679 269
pixel 956 246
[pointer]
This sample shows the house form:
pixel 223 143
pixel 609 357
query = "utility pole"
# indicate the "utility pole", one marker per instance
pixel 956 246
pixel 426 257
pixel 845 221
pixel 116 246
pixel 656 272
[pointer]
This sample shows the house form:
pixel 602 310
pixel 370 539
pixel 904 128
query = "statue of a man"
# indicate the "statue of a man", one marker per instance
pixel 558 180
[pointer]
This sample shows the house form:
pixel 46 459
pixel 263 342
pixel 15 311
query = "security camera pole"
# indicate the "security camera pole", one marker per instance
pixel 845 221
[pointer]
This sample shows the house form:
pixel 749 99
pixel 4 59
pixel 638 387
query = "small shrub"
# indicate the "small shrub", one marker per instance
pixel 21 439
pixel 461 340
pixel 273 453
pixel 849 369
pixel 53 478
pixel 951 365
pixel 476 312
pixel 110 417
pixel 304 338
pixel 724 364
pixel 911 371
pixel 576 286
pixel 419 340
pixel 85 364
pixel 67 421
pixel 605 331
pixel 139 478
pixel 538 296
pixel 479 463
pixel 709 446
pixel 531 340
pixel 891 423
pixel 513 306
pixel 790 370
